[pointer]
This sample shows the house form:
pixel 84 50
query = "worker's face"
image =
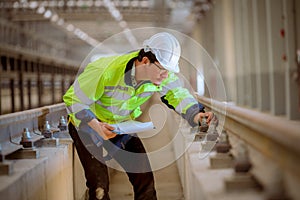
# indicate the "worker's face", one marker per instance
pixel 158 73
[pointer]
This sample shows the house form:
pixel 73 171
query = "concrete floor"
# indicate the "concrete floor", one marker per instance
pixel 168 185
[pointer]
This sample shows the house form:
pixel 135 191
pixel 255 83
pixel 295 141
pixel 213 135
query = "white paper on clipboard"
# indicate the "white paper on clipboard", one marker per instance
pixel 132 126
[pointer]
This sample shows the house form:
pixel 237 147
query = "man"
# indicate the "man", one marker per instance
pixel 111 90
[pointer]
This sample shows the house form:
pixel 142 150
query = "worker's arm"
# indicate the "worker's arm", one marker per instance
pixel 180 99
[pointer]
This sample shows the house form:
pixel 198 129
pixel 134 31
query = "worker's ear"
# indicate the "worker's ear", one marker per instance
pixel 145 60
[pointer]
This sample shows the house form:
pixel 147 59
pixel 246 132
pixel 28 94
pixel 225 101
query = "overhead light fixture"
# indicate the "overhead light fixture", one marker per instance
pixel 54 18
pixel 33 4
pixel 60 22
pixel 98 3
pixel 70 27
pixel 41 10
pixel 48 14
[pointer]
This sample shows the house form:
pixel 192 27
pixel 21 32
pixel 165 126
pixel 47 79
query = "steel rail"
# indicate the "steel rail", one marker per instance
pixel 274 136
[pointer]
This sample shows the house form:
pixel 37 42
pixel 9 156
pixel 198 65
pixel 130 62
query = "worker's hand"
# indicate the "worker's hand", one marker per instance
pixel 210 117
pixel 107 131
pixel 103 129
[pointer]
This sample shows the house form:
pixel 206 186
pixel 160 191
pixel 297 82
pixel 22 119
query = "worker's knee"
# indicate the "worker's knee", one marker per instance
pixel 99 193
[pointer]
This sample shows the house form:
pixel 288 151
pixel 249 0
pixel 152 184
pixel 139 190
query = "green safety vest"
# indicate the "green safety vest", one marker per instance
pixel 101 88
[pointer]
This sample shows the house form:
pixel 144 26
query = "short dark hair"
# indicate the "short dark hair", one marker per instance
pixel 147 54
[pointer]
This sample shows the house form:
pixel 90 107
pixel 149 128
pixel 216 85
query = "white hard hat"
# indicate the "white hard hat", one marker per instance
pixel 166 49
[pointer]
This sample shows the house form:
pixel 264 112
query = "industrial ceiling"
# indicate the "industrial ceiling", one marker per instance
pixel 72 27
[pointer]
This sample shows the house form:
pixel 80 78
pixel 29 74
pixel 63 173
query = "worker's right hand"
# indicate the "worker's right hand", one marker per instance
pixel 103 129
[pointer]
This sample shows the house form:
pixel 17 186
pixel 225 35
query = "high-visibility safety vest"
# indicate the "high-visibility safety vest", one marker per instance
pixel 101 88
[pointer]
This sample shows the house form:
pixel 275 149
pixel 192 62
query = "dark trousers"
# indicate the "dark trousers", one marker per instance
pixel 137 167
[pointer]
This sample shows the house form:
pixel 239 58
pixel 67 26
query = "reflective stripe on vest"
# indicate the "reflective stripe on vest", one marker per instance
pixel 76 108
pixel 145 94
pixel 182 106
pixel 115 109
pixel 169 86
pixel 117 95
pixel 80 94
